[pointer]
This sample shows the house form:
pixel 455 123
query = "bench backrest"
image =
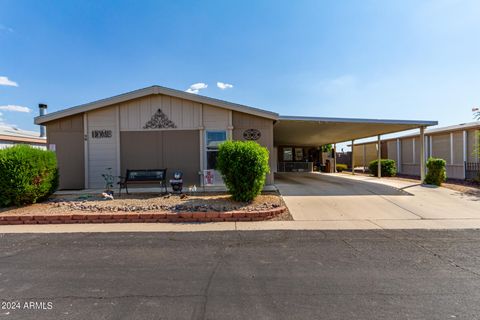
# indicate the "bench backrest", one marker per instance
pixel 146 175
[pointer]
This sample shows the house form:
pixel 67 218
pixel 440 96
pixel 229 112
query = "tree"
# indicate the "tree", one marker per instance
pixel 327 148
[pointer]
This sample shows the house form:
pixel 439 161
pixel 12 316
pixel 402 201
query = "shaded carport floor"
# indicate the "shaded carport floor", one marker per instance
pixel 386 203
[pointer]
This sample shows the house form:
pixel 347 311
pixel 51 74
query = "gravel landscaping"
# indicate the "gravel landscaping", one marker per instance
pixel 148 202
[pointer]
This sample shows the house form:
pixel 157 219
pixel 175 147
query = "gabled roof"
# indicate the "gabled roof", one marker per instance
pixel 154 90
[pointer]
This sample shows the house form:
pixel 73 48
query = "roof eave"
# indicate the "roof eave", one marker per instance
pixel 425 123
pixel 149 91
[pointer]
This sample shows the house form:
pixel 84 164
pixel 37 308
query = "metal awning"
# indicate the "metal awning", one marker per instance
pixel 317 131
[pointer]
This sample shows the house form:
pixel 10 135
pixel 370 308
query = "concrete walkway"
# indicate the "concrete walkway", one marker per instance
pixel 430 224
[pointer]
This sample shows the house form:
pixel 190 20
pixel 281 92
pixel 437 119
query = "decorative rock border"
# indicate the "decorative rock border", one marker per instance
pixel 143 217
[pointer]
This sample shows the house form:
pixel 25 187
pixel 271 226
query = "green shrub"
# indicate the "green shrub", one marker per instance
pixel 436 172
pixel 327 148
pixel 244 166
pixel 27 175
pixel 341 167
pixel 388 167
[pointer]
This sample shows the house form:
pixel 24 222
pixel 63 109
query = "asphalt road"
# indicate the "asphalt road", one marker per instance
pixel 242 275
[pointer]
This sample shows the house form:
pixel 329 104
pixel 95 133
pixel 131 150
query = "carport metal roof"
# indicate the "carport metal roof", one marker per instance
pixel 317 131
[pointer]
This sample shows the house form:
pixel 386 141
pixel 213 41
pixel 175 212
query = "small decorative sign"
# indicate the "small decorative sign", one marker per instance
pixel 101 134
pixel 252 134
pixel 208 177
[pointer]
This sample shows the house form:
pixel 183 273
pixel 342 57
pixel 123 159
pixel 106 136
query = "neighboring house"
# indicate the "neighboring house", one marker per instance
pixel 158 127
pixel 457 145
pixel 10 136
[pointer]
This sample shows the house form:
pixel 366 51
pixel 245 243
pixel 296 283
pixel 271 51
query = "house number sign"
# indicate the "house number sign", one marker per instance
pixel 251 134
pixel 101 134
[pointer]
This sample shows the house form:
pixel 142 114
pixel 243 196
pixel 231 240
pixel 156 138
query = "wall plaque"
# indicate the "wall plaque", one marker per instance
pixel 101 134
pixel 252 134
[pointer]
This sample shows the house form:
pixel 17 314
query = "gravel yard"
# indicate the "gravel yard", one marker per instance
pixel 144 202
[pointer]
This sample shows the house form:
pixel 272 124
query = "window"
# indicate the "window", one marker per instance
pixel 298 154
pixel 287 154
pixel 213 140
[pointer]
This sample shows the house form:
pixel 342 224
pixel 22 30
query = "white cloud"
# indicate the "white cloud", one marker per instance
pixel 196 87
pixel 224 86
pixel 4 81
pixel 15 108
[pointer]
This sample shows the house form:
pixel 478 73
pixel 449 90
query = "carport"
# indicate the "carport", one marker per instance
pixel 291 133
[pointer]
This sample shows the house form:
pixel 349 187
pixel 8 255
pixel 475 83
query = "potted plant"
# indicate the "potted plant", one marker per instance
pixel 109 180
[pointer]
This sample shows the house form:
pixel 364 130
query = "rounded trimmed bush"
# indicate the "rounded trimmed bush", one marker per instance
pixel 436 171
pixel 244 166
pixel 27 175
pixel 341 167
pixel 388 167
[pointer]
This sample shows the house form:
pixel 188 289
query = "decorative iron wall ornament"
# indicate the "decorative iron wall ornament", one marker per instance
pixel 159 120
pixel 252 134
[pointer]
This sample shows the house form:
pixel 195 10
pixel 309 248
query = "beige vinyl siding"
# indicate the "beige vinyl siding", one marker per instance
pixel 455 171
pixel 418 149
pixel 392 150
pixel 458 148
pixel 243 121
pixel 136 113
pixel 102 153
pixel 215 118
pixel 411 169
pixel 68 137
pixel 364 154
pixel 408 165
pixel 358 156
pixel 407 151
pixel 441 147
pixel 384 150
pixel 370 153
pixel 160 150
pixel 472 145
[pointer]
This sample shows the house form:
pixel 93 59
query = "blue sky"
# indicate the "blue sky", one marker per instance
pixel 369 59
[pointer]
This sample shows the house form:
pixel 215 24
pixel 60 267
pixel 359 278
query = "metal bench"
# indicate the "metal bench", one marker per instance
pixel 143 176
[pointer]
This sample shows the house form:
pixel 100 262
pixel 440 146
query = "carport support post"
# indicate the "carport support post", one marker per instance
pixel 335 157
pixel 353 161
pixel 422 154
pixel 379 157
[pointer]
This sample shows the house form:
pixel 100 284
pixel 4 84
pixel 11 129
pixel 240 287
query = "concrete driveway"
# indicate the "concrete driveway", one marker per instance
pixel 385 203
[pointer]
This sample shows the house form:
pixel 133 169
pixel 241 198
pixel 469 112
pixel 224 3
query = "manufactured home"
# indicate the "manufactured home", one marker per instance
pixel 457 145
pixel 158 127
pixel 11 136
